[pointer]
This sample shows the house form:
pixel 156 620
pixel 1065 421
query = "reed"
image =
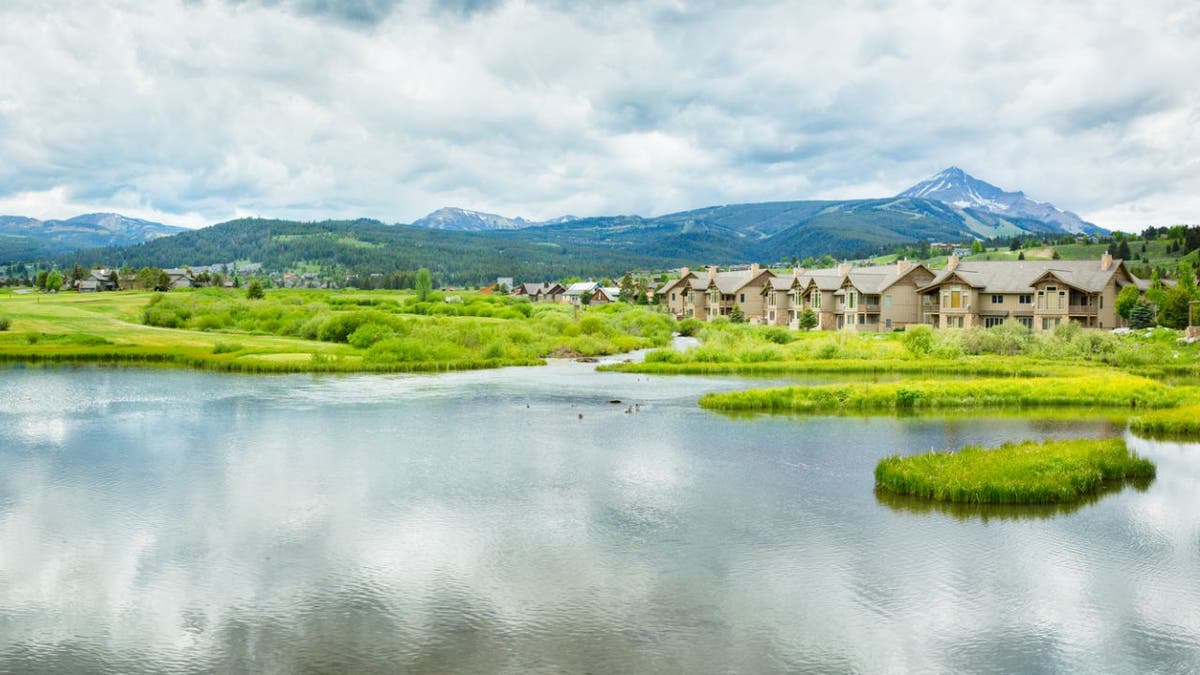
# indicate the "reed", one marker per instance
pixel 1183 422
pixel 1030 472
pixel 1114 390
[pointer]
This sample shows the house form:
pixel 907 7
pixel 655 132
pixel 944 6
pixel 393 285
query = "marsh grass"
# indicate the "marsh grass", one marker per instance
pixel 313 331
pixel 1114 390
pixel 1182 423
pixel 986 512
pixel 1029 472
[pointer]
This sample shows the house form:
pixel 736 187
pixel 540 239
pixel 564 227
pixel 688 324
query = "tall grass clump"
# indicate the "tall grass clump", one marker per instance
pixel 5 323
pixel 1110 391
pixel 1029 472
pixel 1175 423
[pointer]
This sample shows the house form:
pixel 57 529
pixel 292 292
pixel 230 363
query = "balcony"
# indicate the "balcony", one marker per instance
pixel 1087 310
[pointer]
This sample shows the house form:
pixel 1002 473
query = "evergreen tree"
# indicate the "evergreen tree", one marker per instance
pixel 736 315
pixel 255 290
pixel 808 319
pixel 1142 315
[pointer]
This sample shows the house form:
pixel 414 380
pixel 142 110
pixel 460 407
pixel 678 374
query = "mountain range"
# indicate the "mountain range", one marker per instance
pixel 23 238
pixel 469 246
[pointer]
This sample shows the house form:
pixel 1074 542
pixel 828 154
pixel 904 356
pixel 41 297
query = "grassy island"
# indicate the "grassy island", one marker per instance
pixel 1015 473
pixel 314 330
pixel 1114 390
pixel 1176 423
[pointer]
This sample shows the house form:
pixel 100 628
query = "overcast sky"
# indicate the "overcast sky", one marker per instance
pixel 196 111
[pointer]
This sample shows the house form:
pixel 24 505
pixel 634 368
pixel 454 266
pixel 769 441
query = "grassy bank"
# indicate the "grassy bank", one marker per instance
pixel 1177 423
pixel 1015 473
pixel 1106 391
pixel 728 348
pixel 313 331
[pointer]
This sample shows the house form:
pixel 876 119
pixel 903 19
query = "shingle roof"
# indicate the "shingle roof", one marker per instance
pixel 1018 276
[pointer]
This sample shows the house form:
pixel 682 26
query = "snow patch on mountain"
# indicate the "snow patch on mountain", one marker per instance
pixel 960 189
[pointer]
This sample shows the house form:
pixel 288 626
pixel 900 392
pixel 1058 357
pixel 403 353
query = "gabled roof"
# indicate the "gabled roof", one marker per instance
pixel 1019 276
pixel 581 287
pixel 732 282
pixel 544 288
pixel 671 284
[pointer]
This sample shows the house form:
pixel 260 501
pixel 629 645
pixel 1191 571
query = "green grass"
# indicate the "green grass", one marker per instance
pixel 980 366
pixel 313 331
pixel 1015 473
pixel 1181 422
pixel 1102 391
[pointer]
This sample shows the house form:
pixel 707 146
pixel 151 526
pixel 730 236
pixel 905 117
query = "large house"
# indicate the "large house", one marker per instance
pixel 715 293
pixel 1039 294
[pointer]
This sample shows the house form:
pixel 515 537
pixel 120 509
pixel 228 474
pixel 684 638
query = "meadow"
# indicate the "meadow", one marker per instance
pixel 315 331
pixel 1015 473
pixel 728 348
pixel 1114 390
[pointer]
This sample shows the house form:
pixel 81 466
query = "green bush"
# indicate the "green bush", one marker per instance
pixel 918 340
pixel 689 327
pixel 5 323
pixel 369 333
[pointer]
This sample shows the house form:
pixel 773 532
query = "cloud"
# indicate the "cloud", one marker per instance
pixel 205 109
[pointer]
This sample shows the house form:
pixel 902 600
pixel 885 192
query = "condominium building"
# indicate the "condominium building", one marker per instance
pixel 1039 294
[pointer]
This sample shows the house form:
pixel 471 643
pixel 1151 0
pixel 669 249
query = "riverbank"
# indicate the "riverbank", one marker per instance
pixel 313 331
pixel 1113 390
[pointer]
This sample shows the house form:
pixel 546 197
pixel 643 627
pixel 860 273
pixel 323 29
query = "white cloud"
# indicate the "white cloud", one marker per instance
pixel 197 111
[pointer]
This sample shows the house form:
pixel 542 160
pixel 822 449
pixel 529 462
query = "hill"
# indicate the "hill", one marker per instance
pixel 363 247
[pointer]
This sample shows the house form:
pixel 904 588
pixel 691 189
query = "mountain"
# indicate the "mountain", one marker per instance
pixel 959 188
pixel 463 220
pixel 466 247
pixel 26 238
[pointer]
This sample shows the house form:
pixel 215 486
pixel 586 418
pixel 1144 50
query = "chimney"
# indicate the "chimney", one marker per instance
pixel 843 269
pixel 712 272
pixel 1106 261
pixel 753 269
pixel 903 266
pixel 683 272
pixel 952 263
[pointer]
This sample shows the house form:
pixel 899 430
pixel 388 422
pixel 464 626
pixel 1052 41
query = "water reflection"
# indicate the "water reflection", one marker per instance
pixel 473 522
pixel 985 512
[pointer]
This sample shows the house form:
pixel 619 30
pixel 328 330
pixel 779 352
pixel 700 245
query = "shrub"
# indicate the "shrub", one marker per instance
pixel 227 347
pixel 689 327
pixel 369 333
pixel 779 335
pixel 918 340
pixel 5 323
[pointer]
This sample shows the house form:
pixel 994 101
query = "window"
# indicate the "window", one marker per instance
pixel 672 297
pixel 887 303
pixel 1048 323
pixel 997 299
pixel 1026 321
pixel 816 300
pixel 888 322
pixel 853 295
pixel 993 321
pixel 862 318
pixel 1026 299
pixel 771 316
pixel 743 298
pixel 1102 305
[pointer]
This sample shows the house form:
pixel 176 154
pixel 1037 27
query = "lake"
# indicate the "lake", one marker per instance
pixel 516 521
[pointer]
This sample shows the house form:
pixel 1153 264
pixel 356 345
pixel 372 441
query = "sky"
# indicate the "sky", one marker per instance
pixel 192 112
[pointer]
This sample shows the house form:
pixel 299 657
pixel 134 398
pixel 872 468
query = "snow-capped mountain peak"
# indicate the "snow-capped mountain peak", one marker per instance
pixel 454 218
pixel 958 188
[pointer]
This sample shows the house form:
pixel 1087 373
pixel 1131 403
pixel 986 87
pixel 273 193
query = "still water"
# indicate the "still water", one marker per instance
pixel 474 522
